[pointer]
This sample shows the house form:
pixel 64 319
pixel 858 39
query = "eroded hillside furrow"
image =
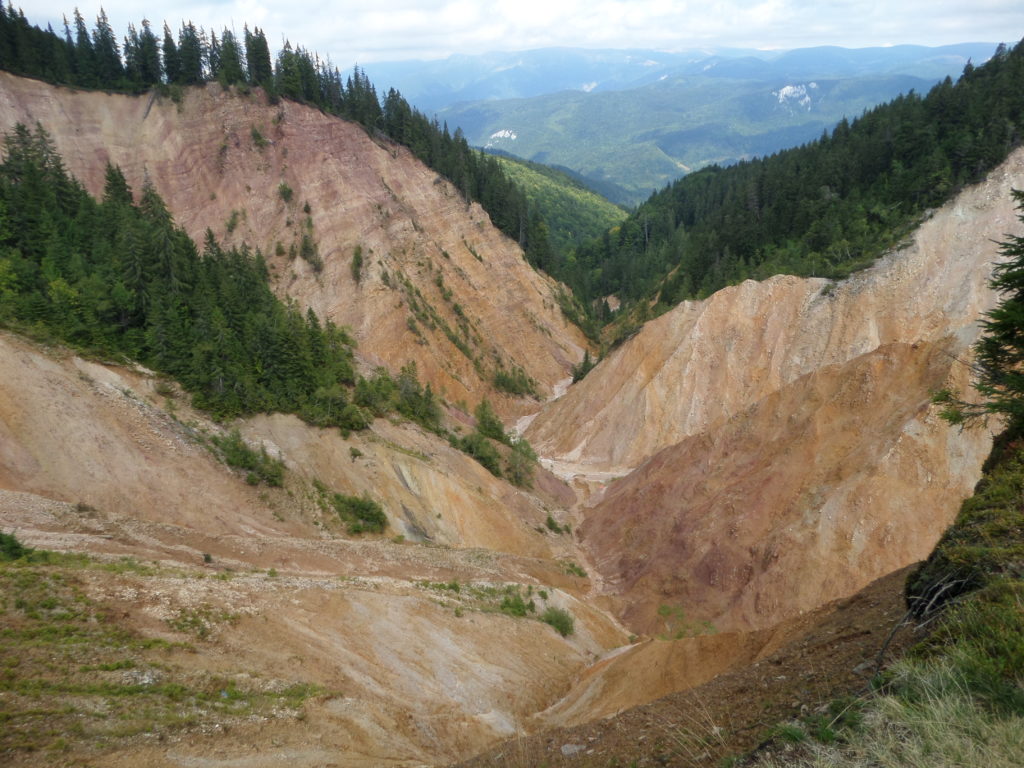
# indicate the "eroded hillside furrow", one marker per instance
pixel 775 444
pixel 355 228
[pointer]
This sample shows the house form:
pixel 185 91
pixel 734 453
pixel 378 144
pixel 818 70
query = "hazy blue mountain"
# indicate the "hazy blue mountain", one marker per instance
pixel 629 121
pixel 433 85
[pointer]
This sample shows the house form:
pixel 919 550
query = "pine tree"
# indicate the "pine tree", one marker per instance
pixel 109 70
pixel 85 66
pixel 172 62
pixel 257 54
pixel 231 69
pixel 190 55
pixel 999 362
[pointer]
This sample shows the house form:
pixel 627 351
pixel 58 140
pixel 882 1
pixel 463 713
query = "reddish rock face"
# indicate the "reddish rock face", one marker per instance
pixel 433 268
pixel 811 493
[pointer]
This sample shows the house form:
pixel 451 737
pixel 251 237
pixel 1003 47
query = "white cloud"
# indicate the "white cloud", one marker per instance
pixel 400 29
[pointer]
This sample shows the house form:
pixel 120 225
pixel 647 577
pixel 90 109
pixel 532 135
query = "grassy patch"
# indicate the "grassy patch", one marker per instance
pixel 200 621
pixel 73 677
pixel 510 599
pixel 560 619
pixel 360 513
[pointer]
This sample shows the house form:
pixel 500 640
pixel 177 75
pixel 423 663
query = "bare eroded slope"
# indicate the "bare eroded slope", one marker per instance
pixel 788 453
pixel 93 460
pixel 439 285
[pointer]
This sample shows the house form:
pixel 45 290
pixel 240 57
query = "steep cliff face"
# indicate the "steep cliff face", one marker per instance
pixel 788 451
pixel 438 284
pixel 707 361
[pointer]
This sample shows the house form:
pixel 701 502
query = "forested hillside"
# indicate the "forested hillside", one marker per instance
pixel 95 60
pixel 825 209
pixel 572 213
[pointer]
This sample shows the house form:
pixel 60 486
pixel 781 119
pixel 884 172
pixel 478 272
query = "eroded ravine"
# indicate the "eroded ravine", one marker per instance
pixel 725 457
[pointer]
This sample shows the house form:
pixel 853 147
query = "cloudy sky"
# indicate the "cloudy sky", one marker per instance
pixel 385 30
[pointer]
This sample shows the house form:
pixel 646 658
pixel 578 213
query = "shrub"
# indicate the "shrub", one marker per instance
pixel 477 446
pixel 11 548
pixel 357 264
pixel 261 468
pixel 515 382
pixel 487 422
pixel 362 513
pixel 560 619
pixel 354 418
pixel 284 191
pixel 309 252
pixel 586 366
pixel 514 605
pixel 257 138
pixel 521 461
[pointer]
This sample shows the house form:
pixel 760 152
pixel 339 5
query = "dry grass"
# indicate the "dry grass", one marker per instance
pixel 934 722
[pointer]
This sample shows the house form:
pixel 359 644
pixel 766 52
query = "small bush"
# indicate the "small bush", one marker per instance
pixel 487 422
pixel 285 192
pixel 261 468
pixel 355 418
pixel 573 569
pixel 363 514
pixel 257 138
pixel 585 367
pixel 357 264
pixel 309 251
pixel 514 605
pixel 560 619
pixel 11 548
pixel 163 388
pixel 515 382
pixel 477 446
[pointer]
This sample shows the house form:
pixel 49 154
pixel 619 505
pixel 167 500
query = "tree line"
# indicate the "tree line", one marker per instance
pixel 142 60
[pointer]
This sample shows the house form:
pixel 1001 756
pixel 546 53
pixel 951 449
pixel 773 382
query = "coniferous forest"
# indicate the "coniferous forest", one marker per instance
pixel 121 279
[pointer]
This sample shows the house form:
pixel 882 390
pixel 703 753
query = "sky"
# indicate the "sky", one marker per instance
pixel 393 30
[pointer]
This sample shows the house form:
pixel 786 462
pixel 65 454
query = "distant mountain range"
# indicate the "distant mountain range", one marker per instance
pixel 629 121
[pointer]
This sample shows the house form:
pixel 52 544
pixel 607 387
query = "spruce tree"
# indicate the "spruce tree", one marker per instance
pixel 999 361
pixel 172 62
